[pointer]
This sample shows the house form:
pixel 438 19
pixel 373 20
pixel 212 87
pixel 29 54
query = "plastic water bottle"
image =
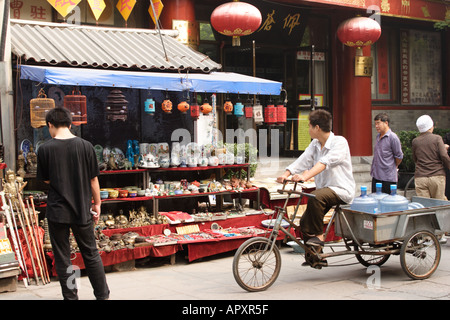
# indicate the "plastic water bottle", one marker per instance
pixel 364 203
pixel 394 201
pixel 378 195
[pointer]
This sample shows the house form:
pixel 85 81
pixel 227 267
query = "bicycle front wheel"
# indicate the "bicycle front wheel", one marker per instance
pixel 256 265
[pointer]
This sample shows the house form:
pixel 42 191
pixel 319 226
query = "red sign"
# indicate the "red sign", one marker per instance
pixel 417 9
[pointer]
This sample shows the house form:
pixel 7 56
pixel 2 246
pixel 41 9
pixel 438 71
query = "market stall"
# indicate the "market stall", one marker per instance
pixel 128 113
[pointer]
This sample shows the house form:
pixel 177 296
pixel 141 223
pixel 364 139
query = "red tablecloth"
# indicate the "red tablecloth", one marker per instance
pixel 122 255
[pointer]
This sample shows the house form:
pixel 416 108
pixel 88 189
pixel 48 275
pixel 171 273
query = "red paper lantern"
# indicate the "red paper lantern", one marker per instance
pixel 359 32
pixel 195 110
pixel 270 114
pixel 248 111
pixel 236 19
pixel 281 114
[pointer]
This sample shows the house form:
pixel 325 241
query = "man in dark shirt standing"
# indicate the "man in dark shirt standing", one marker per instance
pixel 431 158
pixel 69 165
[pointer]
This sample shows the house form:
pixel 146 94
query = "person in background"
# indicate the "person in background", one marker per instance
pixel 69 166
pixel 431 158
pixel 327 158
pixel 387 155
pixel 447 171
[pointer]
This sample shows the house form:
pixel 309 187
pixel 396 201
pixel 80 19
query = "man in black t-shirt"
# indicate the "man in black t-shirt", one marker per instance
pixel 69 165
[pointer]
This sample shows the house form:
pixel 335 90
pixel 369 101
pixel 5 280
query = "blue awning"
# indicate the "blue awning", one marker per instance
pixel 215 82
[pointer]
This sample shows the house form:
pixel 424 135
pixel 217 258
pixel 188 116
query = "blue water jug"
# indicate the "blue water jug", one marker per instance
pixel 394 201
pixel 378 195
pixel 364 203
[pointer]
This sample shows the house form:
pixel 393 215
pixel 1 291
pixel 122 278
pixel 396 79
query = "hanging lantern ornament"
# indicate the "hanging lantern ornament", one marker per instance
pixel 282 111
pixel 248 109
pixel 205 108
pixel 38 109
pixel 228 107
pixel 270 113
pixel 258 112
pixel 167 104
pixel 116 106
pixel 150 106
pixel 195 109
pixel 236 19
pixel 183 106
pixel 359 32
pixel 76 104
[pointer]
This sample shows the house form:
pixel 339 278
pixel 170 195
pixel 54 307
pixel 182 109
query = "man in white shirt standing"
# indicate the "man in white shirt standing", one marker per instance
pixel 327 158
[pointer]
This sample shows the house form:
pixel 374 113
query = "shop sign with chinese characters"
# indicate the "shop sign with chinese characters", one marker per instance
pixel 280 25
pixel 35 10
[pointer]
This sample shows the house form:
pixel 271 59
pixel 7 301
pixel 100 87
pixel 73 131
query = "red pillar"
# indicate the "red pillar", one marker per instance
pixel 355 105
pixel 178 10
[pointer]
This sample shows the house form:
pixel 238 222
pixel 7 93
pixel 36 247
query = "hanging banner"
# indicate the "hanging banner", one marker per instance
pixel 125 7
pixel 97 7
pixel 64 7
pixel 158 5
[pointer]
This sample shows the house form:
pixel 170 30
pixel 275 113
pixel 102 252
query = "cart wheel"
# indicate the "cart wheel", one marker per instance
pixel 368 260
pixel 255 266
pixel 420 255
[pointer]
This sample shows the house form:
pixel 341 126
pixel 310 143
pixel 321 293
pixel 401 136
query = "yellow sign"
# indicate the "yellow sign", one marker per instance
pixel 304 139
pixel 5 246
pixel 97 7
pixel 158 5
pixel 64 6
pixel 125 7
pixel 363 66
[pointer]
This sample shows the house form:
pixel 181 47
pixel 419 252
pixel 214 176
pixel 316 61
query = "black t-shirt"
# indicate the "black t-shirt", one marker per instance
pixel 69 165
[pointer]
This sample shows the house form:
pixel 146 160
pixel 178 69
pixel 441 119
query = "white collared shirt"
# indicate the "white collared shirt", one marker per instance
pixel 338 174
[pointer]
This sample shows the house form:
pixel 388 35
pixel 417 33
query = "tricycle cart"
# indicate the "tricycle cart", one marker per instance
pixel 372 238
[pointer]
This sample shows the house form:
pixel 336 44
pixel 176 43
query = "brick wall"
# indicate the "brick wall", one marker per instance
pixel 406 119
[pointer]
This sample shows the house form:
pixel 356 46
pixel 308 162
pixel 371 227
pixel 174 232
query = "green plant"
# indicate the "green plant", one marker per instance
pixel 406 138
pixel 249 152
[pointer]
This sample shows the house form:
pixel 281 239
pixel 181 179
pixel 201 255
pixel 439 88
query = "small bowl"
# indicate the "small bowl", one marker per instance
pixel 141 193
pixel 132 194
pixel 123 193
pixel 104 194
pixel 113 193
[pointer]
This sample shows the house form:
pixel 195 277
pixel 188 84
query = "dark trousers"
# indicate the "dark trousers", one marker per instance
pixel 386 186
pixel 84 235
pixel 311 223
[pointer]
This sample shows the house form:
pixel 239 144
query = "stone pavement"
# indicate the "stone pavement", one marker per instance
pixel 212 279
